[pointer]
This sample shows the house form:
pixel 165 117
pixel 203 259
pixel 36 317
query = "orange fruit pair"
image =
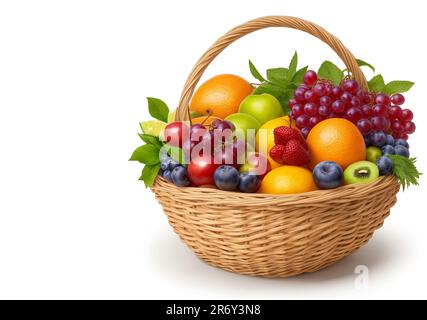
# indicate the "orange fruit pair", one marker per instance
pixel 221 95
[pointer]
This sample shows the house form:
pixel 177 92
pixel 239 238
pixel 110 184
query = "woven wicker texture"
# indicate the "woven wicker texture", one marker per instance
pixel 274 235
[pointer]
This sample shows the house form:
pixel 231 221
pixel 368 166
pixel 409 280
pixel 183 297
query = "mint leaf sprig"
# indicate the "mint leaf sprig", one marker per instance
pixel 405 170
pixel 377 84
pixel 148 153
pixel 279 82
pixel 330 71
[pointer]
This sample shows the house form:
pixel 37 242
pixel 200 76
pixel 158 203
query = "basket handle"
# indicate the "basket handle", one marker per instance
pixel 251 26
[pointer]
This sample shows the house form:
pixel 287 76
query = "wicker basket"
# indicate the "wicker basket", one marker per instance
pixel 275 235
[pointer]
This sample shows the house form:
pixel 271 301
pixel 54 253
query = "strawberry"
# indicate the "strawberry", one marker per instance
pixel 295 154
pixel 276 153
pixel 283 134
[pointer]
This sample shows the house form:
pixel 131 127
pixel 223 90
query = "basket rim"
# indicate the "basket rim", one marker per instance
pixel 357 188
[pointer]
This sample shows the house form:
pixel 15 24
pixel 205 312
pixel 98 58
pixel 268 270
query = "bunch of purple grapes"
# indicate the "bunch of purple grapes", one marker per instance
pixel 317 99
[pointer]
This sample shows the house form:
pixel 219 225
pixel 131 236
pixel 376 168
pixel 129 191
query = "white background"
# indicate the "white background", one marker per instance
pixel 74 220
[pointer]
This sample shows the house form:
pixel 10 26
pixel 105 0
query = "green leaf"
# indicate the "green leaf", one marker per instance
pixel 376 84
pixel 330 71
pixel 266 87
pixel 292 66
pixel 362 63
pixel 255 72
pixel 278 76
pixel 284 99
pixel 150 139
pixel 394 87
pixel 149 174
pixel 147 154
pixel 269 88
pixel 405 170
pixel 158 109
pixel 299 75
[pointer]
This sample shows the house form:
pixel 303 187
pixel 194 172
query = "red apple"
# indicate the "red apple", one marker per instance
pixel 201 170
pixel 176 133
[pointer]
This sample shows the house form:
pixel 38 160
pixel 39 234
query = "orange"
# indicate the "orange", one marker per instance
pixel 336 140
pixel 267 132
pixel 207 121
pixel 220 95
pixel 288 180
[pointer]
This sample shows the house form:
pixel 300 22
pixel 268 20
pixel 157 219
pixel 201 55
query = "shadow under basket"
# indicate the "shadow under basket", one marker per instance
pixel 274 235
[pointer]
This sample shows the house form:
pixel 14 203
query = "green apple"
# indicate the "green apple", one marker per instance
pixel 262 107
pixel 373 154
pixel 243 122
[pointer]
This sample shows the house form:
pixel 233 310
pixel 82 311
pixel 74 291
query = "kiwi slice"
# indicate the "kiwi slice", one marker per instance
pixel 361 172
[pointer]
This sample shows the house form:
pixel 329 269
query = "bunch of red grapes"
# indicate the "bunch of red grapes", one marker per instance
pixel 217 139
pixel 318 99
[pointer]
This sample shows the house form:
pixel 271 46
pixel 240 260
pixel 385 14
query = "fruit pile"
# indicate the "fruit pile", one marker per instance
pixel 213 156
pixel 296 131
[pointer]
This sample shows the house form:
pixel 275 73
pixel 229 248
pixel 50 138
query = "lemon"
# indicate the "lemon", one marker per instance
pixel 153 127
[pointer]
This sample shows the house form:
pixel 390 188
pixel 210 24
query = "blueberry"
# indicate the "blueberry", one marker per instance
pixel 385 165
pixel 163 166
pixel 378 139
pixel 167 175
pixel 169 164
pixel 163 155
pixel 249 182
pixel 401 151
pixel 389 140
pixel 226 178
pixel 387 149
pixel 328 175
pixel 180 177
pixel 173 164
pixel 402 142
pixel 367 140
